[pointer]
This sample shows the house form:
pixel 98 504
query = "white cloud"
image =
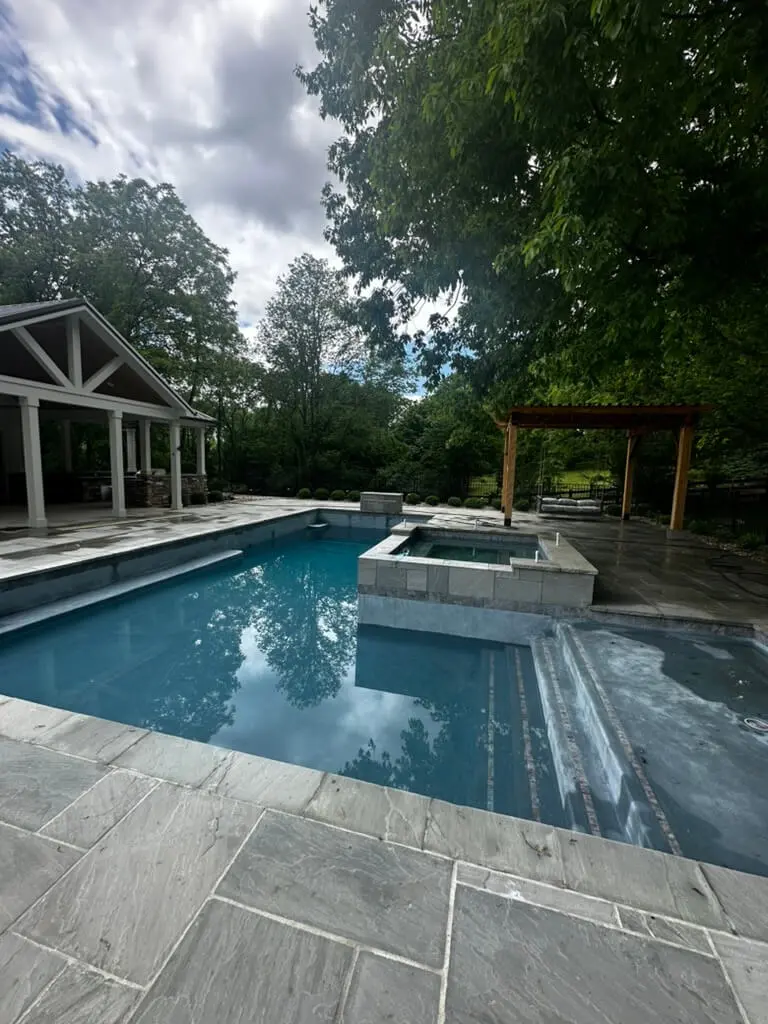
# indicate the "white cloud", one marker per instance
pixel 200 93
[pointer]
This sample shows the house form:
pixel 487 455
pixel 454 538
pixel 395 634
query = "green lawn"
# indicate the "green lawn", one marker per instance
pixel 581 477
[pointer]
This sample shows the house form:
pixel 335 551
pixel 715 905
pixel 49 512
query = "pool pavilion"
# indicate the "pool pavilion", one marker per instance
pixel 63 363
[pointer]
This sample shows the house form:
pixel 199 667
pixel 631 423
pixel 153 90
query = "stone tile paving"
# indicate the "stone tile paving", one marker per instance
pixel 642 572
pixel 127 897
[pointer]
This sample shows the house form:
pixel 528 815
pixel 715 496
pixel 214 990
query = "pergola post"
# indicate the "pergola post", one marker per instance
pixel 116 461
pixel 175 433
pixel 510 458
pixel 145 445
pixel 201 451
pixel 629 475
pixel 33 462
pixel 684 450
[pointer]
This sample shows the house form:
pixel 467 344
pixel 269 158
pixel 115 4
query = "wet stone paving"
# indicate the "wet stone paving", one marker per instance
pixel 152 880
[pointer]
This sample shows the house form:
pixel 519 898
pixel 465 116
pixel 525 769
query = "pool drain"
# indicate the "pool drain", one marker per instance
pixel 756 724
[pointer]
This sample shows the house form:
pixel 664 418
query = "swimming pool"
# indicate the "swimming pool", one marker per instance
pixel 636 735
pixel 265 656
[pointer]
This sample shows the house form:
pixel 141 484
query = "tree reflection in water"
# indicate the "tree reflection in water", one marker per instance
pixel 446 758
pixel 305 618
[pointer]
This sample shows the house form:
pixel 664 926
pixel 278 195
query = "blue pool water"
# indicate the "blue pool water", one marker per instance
pixel 265 656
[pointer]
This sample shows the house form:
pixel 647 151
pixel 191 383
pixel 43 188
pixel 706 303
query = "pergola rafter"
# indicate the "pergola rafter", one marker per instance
pixel 637 420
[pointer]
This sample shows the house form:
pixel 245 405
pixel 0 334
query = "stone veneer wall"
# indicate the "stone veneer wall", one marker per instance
pixel 155 491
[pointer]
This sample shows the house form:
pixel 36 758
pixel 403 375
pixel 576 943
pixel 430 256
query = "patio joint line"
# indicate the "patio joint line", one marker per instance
pixel 70 805
pixel 48 839
pixel 83 965
pixel 184 932
pixel 448 941
pixel 345 988
pixel 703 869
pixel 122 818
pixel 72 867
pixel 39 997
pixel 732 989
pixel 341 940
pixel 62 753
pixel 649 937
pixel 365 835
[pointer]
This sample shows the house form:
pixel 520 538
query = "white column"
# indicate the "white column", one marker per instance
pixel 130 450
pixel 201 452
pixel 145 444
pixel 116 461
pixel 74 359
pixel 66 444
pixel 33 462
pixel 175 432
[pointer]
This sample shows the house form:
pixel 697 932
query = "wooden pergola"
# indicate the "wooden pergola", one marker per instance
pixel 637 420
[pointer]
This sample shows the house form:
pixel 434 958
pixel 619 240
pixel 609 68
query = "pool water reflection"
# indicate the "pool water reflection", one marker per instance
pixel 265 656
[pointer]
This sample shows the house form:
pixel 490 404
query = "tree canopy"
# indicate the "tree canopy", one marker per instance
pixel 591 178
pixel 135 252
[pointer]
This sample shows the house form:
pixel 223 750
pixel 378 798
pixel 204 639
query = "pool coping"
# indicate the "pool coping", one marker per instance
pixel 669 888
pixel 144 545
pixel 563 579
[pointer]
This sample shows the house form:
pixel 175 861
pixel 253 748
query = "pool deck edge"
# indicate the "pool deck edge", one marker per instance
pixel 125 843
pixel 595 867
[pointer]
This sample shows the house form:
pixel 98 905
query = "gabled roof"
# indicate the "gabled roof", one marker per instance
pixel 9 314
pixel 23 313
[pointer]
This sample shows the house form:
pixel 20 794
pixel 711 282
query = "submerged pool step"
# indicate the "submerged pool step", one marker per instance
pixel 572 783
pixel 620 803
pixel 35 616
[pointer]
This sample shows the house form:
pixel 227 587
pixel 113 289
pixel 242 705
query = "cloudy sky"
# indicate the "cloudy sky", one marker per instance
pixel 200 93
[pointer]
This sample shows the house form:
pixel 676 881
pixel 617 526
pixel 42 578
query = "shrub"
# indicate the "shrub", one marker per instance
pixel 412 498
pixel 612 510
pixel 432 499
pixel 454 502
pixel 215 496
pixel 495 503
pixel 197 498
pixel 751 541
pixel 321 494
pixel 522 504
pixel 338 495
pixel 474 503
pixel 353 496
pixel 699 526
pixel 304 493
pixel 217 484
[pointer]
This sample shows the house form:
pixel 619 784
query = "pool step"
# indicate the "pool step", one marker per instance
pixel 54 610
pixel 639 815
pixel 623 808
pixel 573 787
